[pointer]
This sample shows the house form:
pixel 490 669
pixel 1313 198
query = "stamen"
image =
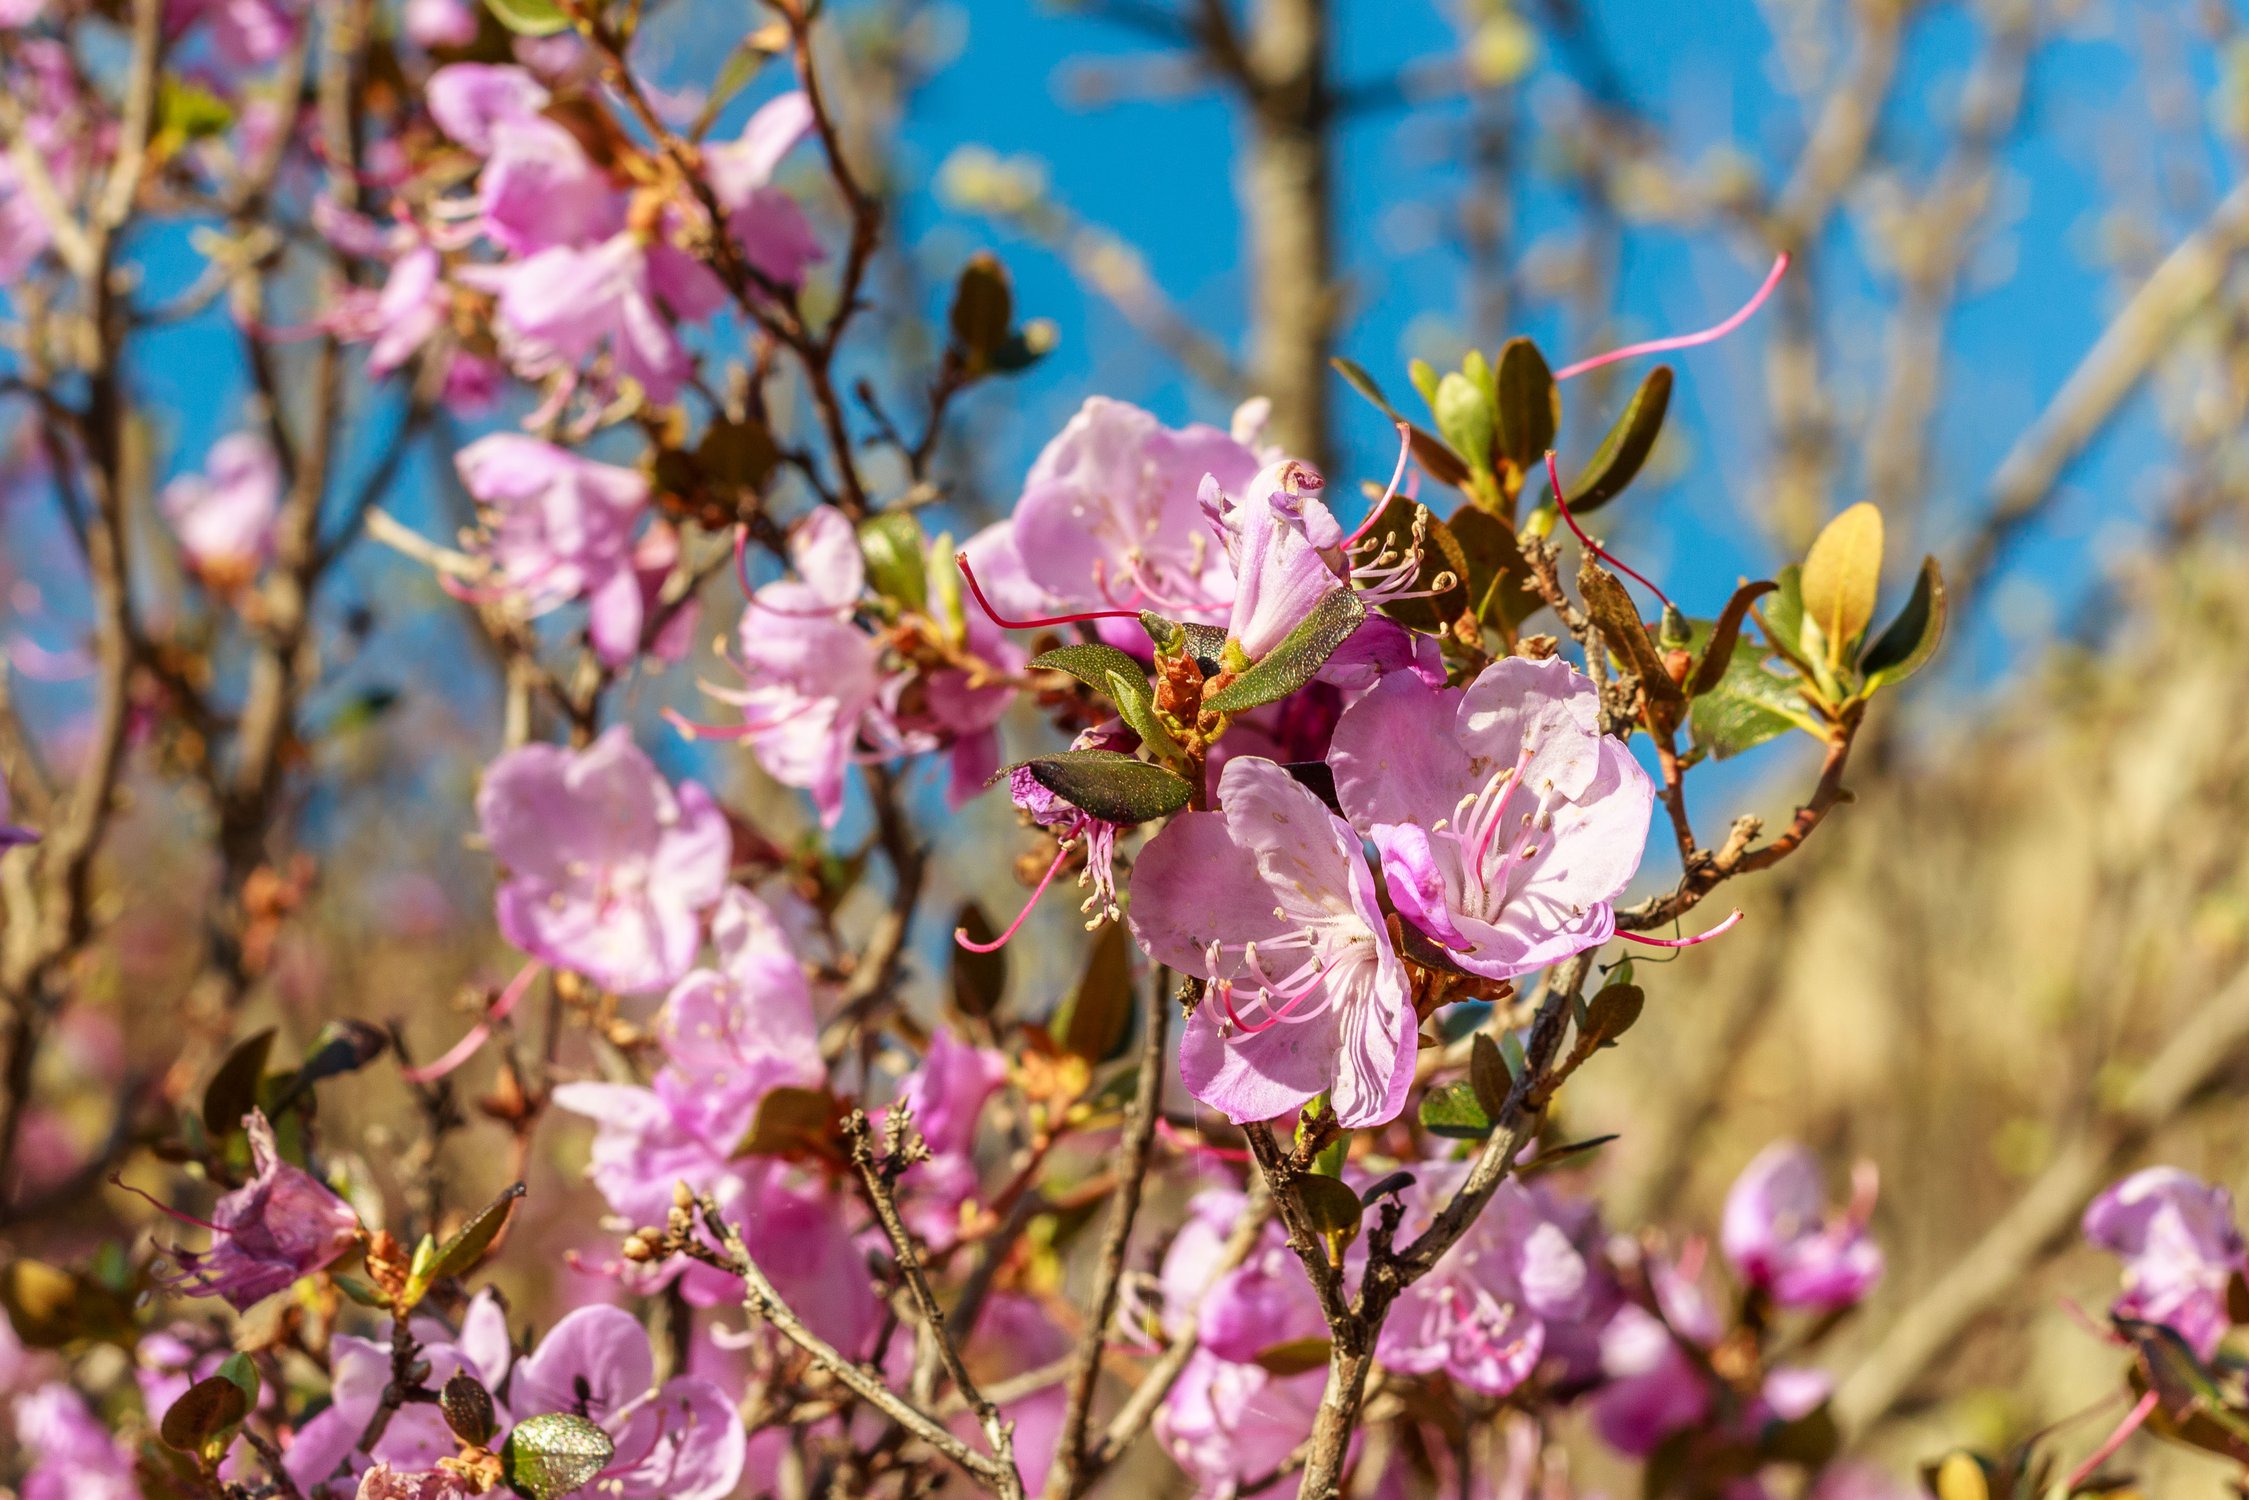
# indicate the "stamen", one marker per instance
pixel 960 559
pixel 1685 340
pixel 1554 475
pixel 695 731
pixel 1397 477
pixel 2115 1440
pixel 1701 937
pixel 960 934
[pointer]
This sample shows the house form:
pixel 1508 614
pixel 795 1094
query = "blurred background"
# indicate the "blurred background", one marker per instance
pixel 2017 321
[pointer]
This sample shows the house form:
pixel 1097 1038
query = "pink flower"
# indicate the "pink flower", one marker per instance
pixel 1783 1242
pixel 282 1224
pixel 440 23
pixel 224 516
pixel 773 231
pixel 244 33
pixel 561 529
pixel 72 1456
pixel 683 1441
pixel 608 870
pixel 1270 899
pixel 1523 1288
pixel 383 1482
pixel 1278 537
pixel 1109 519
pixel 1068 822
pixel 470 100
pixel 1506 821
pixel 563 303
pixel 416 1437
pixel 946 1096
pixel 812 679
pixel 2180 1247
pixel 1227 1424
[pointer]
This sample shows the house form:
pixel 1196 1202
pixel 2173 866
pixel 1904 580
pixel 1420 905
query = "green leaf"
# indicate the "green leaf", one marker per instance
pixel 1455 1112
pixel 1467 421
pixel 1625 450
pixel 530 17
pixel 1120 679
pixel 897 557
pixel 983 311
pixel 1530 404
pixel 1295 1357
pixel 1114 788
pixel 555 1454
pixel 205 1412
pixel 790 1121
pixel 1783 614
pixel 189 112
pixel 459 1254
pixel 1354 375
pixel 1907 642
pixel 1840 577
pixel 742 65
pixel 1499 580
pixel 238 1368
pixel 468 1409
pixel 1750 704
pixel 1329 1206
pixel 1612 1012
pixel 1618 619
pixel 1034 341
pixel 1488 1075
pixel 1423 377
pixel 1295 660
pixel 979 979
pixel 1094 1022
pixel 1550 1157
pixel 233 1090
pixel 1718 654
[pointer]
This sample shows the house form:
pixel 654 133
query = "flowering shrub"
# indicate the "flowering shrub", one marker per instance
pixel 1358 787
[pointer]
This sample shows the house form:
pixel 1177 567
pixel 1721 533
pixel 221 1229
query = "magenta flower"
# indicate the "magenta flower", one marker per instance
pixel 813 681
pixel 608 870
pixel 683 1441
pixel 1227 1424
pixel 563 303
pixel 2180 1247
pixel 282 1224
pixel 1069 824
pixel 1278 537
pixel 1506 821
pixel 1782 1241
pixel 1524 1288
pixel 772 229
pixel 224 515
pixel 1270 901
pixel 539 190
pixel 561 528
pixel 469 101
pixel 72 1456
pixel 325 1452
pixel 1108 518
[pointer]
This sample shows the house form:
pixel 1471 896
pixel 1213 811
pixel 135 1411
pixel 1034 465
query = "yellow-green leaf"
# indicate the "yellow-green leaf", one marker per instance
pixel 1840 578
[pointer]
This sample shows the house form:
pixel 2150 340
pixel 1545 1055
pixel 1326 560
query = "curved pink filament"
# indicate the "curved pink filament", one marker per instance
pixel 960 934
pixel 1397 477
pixel 2115 1440
pixel 1179 1140
pixel 117 1180
pixel 1688 942
pixel 1273 1016
pixel 468 595
pixel 476 1036
pixel 1554 475
pixel 695 731
pixel 1686 340
pixel 960 560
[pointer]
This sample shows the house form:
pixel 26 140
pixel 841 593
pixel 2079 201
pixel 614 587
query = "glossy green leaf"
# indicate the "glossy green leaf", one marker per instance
pixel 1783 614
pixel 1750 704
pixel 529 17
pixel 1091 663
pixel 897 557
pixel 1114 788
pixel 1624 451
pixel 1907 642
pixel 1455 1112
pixel 458 1255
pixel 1466 420
pixel 555 1454
pixel 1530 404
pixel 1297 659
pixel 1094 1022
pixel 1329 1206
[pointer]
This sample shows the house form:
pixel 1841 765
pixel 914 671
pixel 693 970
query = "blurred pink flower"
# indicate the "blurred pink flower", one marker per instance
pixel 224 516
pixel 72 1455
pixel 1781 1239
pixel 561 528
pixel 2180 1247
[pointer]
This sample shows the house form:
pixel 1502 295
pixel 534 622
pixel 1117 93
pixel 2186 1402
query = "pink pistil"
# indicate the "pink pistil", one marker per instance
pixel 476 1036
pixel 1685 340
pixel 695 731
pixel 1554 476
pixel 166 1209
pixel 960 934
pixel 2107 1450
pixel 961 560
pixel 1687 942
pixel 1397 477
